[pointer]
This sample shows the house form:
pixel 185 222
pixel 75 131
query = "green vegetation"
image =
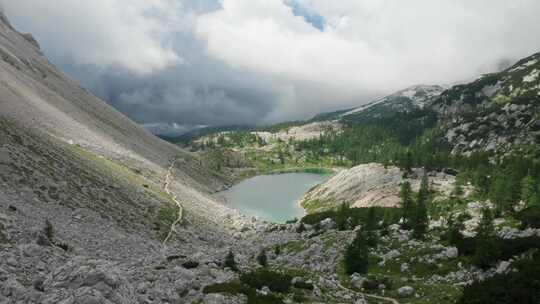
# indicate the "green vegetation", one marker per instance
pixel 407 204
pixel 508 184
pixel 236 287
pixel 420 222
pixel 262 259
pixel 486 249
pixel 230 262
pixel 530 217
pixel 355 258
pixel 276 281
pixel 248 284
pixel 355 216
pixel 521 286
pixel 3 236
pixel 49 230
pixel 166 216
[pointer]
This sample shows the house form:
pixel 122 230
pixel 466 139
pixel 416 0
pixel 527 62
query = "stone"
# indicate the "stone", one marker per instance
pixel 503 267
pixel 214 298
pixel 357 281
pixel 406 291
pixel 404 267
pixel 328 223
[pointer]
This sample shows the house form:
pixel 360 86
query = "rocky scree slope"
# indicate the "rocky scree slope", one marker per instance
pixel 83 209
pixel 495 113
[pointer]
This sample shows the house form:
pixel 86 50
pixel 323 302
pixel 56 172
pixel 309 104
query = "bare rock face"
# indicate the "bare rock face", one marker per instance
pixel 494 113
pixel 368 185
pixel 300 133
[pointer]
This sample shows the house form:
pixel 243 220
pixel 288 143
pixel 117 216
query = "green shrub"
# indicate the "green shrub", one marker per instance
pixel 235 288
pixel 262 259
pixel 230 262
pixel 299 298
pixel 388 216
pixel 355 257
pixel 277 250
pixel 530 217
pixel 501 249
pixel 522 286
pixel 276 281
pixel 303 285
pixel 3 237
pixel 190 264
pixel 372 283
pixel 49 230
pixel 301 228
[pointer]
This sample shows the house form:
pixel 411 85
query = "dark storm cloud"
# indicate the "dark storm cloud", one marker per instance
pixel 172 65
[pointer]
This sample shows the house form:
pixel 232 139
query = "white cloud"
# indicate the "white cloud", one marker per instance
pixel 371 44
pixel 134 35
pixel 263 61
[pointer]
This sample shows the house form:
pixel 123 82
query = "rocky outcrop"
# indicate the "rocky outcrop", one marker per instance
pixel 368 185
pixel 495 113
pixel 407 100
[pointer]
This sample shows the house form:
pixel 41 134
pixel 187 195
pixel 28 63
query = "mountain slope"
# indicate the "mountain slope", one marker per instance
pixel 83 206
pixel 495 113
pixel 407 100
pixel 34 93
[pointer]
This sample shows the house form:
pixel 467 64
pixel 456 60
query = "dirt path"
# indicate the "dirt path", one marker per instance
pixel 168 178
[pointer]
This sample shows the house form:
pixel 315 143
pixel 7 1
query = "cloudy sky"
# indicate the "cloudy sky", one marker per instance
pixel 175 64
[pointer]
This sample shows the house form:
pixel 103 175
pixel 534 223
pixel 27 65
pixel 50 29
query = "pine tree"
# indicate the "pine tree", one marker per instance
pixel 529 190
pixel 486 249
pixel 370 227
pixel 356 255
pixel 500 194
pixel 458 185
pixel 277 250
pixel 49 230
pixel 455 226
pixel 262 258
pixel 301 228
pixel 230 262
pixel 407 204
pixel 408 163
pixel 420 222
pixel 342 216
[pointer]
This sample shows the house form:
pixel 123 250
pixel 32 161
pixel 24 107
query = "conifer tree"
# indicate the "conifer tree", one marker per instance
pixel 529 190
pixel 301 228
pixel 342 216
pixel 230 262
pixel 420 223
pixel 277 250
pixel 500 194
pixel 355 257
pixel 262 259
pixel 453 234
pixel 407 204
pixel 486 249
pixel 370 227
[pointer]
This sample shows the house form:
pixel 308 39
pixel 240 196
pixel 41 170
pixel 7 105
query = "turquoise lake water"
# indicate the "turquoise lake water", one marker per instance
pixel 273 197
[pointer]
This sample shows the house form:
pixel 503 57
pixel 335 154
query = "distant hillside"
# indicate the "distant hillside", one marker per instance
pixel 200 132
pixel 495 113
pixel 404 101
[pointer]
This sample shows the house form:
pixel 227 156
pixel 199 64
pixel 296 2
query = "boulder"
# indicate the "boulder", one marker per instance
pixel 357 281
pixel 328 223
pixel 406 292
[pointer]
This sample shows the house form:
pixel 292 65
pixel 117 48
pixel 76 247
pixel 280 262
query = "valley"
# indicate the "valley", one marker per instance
pixel 428 195
pixel 392 162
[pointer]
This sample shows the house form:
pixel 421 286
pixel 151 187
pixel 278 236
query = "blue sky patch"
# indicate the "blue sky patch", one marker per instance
pixel 316 20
